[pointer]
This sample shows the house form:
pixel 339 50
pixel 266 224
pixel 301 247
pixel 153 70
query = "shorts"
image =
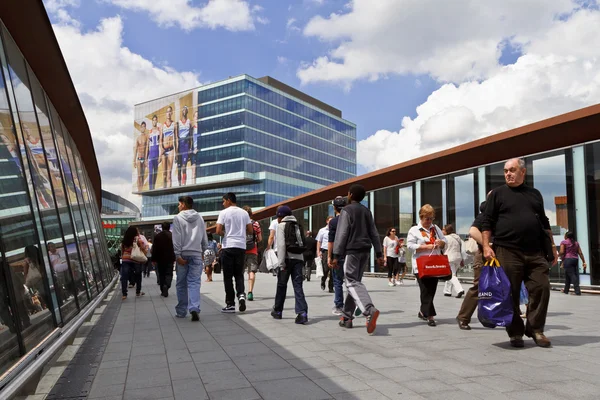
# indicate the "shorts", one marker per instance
pixel 401 267
pixel 251 262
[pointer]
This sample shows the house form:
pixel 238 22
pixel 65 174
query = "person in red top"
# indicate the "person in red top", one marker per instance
pixel 251 256
pixel 128 266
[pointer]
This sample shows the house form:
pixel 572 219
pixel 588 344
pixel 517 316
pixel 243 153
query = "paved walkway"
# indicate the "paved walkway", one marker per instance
pixel 152 355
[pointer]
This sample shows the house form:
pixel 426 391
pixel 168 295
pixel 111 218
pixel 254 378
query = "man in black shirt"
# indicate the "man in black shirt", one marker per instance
pixel 309 254
pixel 163 257
pixel 513 214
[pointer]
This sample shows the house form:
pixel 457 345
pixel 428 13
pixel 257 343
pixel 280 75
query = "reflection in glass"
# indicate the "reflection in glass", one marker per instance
pixel 464 197
pixel 407 217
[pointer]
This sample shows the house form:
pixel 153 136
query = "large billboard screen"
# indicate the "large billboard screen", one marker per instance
pixel 165 144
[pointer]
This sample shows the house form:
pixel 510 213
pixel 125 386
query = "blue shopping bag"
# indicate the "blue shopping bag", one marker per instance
pixel 524 295
pixel 494 307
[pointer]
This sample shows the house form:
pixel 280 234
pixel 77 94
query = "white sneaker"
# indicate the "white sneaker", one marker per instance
pixel 336 311
pixel 391 284
pixel 401 282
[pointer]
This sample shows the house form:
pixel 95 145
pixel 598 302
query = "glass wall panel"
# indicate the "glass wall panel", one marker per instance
pixel 548 175
pixel 320 212
pixel 407 210
pixel 432 192
pixel 592 159
pixel 386 203
pixel 461 202
pixel 13 198
pixel 70 175
pixel 25 255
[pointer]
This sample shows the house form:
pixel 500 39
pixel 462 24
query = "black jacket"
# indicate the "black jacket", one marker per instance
pixel 356 232
pixel 311 247
pixel 162 249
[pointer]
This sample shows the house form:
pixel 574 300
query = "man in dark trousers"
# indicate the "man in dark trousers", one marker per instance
pixel 309 254
pixel 163 258
pixel 356 233
pixel 514 215
pixel 337 273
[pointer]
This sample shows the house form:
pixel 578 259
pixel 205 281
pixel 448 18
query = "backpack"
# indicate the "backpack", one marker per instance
pixel 294 238
pixel 251 238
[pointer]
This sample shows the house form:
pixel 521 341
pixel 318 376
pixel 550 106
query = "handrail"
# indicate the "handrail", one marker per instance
pixel 19 378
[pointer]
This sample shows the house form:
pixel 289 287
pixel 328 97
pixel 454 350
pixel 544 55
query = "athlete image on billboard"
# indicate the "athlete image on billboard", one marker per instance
pixel 194 156
pixel 169 141
pixel 140 155
pixel 184 135
pixel 154 153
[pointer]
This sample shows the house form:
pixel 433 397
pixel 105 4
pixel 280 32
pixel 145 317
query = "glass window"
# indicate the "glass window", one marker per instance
pixel 407 211
pixel 592 160
pixel 432 192
pixel 461 202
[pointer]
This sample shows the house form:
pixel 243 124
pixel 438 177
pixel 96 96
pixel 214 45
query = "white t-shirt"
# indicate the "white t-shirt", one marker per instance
pixel 323 237
pixel 273 227
pixel 234 220
pixel 390 246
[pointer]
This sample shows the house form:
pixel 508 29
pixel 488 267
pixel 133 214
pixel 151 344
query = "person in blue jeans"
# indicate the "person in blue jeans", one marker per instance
pixel 338 273
pixel 290 264
pixel 189 243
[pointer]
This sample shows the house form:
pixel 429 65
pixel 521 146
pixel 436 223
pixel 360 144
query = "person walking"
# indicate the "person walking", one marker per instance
pixel 148 266
pixel 251 256
pixel 209 267
pixel 570 251
pixel 401 262
pixel 338 273
pixel 426 239
pixel 189 243
pixel 163 258
pixel 514 215
pixel 356 233
pixel 130 267
pixel 233 224
pixel 469 304
pixel 390 243
pixel 454 253
pixel 290 264
pixel 309 254
pixel 322 240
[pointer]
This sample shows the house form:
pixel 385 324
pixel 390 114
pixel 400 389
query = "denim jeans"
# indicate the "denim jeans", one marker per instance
pixel 188 285
pixel 293 268
pixel 338 284
pixel 131 271
pixel 232 262
pixel 571 266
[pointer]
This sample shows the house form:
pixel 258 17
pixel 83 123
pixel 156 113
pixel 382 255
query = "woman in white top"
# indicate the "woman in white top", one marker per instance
pixel 454 253
pixel 426 239
pixel 390 242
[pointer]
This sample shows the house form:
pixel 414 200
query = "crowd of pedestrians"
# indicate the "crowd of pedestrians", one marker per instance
pixel 512 218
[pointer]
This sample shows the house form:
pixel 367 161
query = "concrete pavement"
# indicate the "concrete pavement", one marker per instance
pixel 153 355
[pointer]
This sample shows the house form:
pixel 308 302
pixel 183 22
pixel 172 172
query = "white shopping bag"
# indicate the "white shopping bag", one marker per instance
pixel 270 259
pixel 319 264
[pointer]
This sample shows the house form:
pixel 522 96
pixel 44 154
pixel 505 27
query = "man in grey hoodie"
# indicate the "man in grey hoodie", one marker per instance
pixel 355 234
pixel 290 263
pixel 189 243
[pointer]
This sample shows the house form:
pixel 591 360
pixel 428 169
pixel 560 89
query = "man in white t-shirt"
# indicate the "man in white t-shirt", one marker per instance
pixel 233 224
pixel 273 235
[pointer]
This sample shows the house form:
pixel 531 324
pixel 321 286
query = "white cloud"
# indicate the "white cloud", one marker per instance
pixel 233 15
pixel 450 40
pixel 58 8
pixel 291 25
pixel 110 79
pixel 558 72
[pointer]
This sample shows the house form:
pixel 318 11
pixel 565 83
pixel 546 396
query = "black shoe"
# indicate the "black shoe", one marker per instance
pixel 517 341
pixel 345 323
pixel 421 316
pixel 322 286
pixel 460 294
pixel 331 291
pixel 228 309
pixel 301 319
pixel 276 314
pixel 431 322
pixel 164 292
pixel 448 294
pixel 242 303
pixel 195 316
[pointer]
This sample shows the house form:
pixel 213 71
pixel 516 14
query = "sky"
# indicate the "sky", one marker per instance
pixel 415 76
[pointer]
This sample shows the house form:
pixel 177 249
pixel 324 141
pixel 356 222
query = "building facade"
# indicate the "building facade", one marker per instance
pixel 259 138
pixel 53 253
pixel 562 156
pixel 117 214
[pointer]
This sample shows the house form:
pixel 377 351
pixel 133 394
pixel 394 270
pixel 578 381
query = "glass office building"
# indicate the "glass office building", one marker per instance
pixel 53 253
pixel 456 181
pixel 259 138
pixel 117 213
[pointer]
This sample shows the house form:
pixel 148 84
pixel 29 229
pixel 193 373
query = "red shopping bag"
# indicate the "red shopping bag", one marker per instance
pixel 433 266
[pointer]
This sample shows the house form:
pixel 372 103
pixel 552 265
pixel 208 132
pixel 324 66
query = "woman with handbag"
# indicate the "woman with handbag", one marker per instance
pixel 426 239
pixel 133 254
pixel 390 243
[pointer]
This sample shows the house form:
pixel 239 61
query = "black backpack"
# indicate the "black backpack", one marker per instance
pixel 251 238
pixel 294 238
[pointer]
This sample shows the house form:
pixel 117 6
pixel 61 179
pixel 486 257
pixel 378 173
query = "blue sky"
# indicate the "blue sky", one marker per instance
pixel 415 77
